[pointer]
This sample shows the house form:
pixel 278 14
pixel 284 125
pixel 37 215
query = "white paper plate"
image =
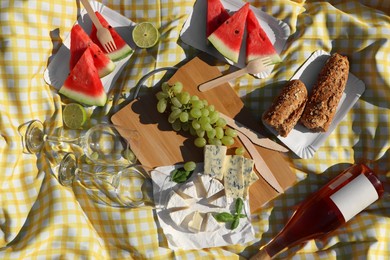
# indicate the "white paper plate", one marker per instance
pixel 193 32
pixel 58 69
pixel 302 141
pixel 181 239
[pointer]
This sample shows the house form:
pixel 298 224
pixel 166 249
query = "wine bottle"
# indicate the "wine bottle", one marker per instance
pixel 327 209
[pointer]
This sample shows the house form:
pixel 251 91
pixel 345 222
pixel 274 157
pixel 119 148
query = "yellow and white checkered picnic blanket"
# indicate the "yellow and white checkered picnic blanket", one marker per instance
pixel 40 219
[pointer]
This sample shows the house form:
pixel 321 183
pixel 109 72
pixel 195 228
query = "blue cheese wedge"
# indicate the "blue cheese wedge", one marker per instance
pixel 247 170
pixel 214 157
pixel 233 177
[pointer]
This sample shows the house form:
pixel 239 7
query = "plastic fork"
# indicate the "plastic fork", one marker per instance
pixel 253 67
pixel 103 34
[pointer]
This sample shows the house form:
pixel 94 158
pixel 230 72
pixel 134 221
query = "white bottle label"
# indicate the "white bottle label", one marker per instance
pixel 355 196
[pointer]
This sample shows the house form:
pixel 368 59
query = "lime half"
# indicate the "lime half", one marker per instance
pixel 145 35
pixel 74 115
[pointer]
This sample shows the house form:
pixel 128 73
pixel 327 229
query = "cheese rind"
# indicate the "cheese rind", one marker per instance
pixel 214 157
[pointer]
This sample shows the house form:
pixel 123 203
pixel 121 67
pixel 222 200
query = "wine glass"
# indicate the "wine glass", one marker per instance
pixel 117 186
pixel 104 143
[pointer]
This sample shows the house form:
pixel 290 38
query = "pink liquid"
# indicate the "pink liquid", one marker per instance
pixel 319 215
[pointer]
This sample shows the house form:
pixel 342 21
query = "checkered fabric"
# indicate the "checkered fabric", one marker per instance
pixel 41 219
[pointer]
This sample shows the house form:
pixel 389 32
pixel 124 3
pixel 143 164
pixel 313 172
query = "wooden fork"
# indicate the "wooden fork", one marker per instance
pixel 253 67
pixel 103 34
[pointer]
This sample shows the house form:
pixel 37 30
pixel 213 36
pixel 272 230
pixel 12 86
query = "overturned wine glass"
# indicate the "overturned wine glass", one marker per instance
pixel 130 186
pixel 104 143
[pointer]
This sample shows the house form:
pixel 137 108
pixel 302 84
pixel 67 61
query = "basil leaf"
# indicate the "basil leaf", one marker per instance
pixel 235 223
pixel 224 217
pixel 180 175
pixel 239 205
pixel 241 215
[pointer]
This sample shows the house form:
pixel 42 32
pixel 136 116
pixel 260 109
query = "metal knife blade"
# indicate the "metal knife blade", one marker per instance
pixel 260 165
pixel 255 137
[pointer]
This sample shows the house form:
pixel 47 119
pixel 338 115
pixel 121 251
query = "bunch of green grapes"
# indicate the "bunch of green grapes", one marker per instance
pixel 193 115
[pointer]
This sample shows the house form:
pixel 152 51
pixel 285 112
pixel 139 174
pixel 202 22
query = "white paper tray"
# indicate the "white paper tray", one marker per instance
pixel 181 239
pixel 302 141
pixel 58 69
pixel 193 32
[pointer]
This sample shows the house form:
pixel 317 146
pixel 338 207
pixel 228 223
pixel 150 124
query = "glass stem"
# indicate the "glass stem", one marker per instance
pixel 57 139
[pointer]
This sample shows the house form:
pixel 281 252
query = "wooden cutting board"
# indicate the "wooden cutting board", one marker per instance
pixel 159 145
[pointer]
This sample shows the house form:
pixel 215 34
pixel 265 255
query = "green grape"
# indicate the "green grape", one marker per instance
pixel 211 108
pixel 194 97
pixel 197 104
pixel 200 142
pixel 185 126
pixel 200 132
pixel 207 126
pixel 165 87
pixel 205 112
pixel 176 125
pixel 204 120
pixel 195 112
pixel 230 132
pixel 192 131
pixel 227 140
pixel 217 141
pixel 183 117
pixel 174 108
pixel 214 116
pixel 195 124
pixel 219 132
pixel 189 166
pixel 212 141
pixel 211 133
pixel 239 150
pixel 220 122
pixel 184 97
pixel 177 87
pixel 162 105
pixel 205 103
pixel 175 101
pixel 161 95
pixel 171 119
pixel 175 113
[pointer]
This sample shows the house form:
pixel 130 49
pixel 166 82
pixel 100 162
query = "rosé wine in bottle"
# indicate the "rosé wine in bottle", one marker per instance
pixel 327 209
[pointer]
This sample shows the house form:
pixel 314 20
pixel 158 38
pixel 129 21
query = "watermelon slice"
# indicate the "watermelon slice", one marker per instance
pixel 227 38
pixel 123 49
pixel 79 42
pixel 83 83
pixel 216 15
pixel 258 44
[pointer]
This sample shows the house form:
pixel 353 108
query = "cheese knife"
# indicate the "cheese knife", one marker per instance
pixel 260 165
pixel 255 137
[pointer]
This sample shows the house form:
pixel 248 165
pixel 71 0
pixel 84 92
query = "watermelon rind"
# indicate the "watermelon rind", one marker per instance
pixel 258 45
pixel 227 38
pixel 80 41
pixel 83 83
pixel 123 49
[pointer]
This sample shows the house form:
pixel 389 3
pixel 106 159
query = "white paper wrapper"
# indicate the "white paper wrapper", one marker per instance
pixel 58 68
pixel 181 238
pixel 302 141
